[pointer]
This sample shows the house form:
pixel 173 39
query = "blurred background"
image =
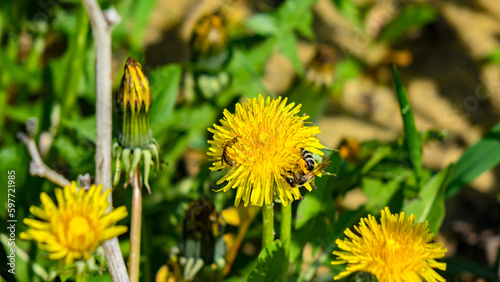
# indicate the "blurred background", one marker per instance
pixel 333 56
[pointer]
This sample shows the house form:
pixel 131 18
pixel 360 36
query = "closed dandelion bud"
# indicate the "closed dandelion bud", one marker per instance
pixel 135 137
pixel 133 102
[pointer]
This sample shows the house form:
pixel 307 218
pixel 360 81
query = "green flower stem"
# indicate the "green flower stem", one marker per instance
pixel 135 226
pixel 268 222
pixel 286 235
pixel 81 277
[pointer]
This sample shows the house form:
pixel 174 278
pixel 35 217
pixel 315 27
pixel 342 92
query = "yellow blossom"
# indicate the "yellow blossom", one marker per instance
pixel 258 144
pixel 397 249
pixel 76 226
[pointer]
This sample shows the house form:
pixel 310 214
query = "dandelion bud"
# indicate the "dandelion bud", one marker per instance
pixel 133 101
pixel 135 137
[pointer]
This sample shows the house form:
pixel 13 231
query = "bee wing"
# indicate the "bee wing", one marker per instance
pixel 322 166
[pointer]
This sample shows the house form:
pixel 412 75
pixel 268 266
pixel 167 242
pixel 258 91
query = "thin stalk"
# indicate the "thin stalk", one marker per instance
pixel 135 226
pixel 101 24
pixel 286 235
pixel 81 277
pixel 268 224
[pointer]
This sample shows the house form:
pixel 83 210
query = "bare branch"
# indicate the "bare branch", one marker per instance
pixel 112 17
pixel 37 166
pixel 85 180
pixel 101 31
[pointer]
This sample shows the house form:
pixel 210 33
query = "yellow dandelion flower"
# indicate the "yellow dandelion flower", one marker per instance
pixel 76 226
pixel 260 143
pixel 397 249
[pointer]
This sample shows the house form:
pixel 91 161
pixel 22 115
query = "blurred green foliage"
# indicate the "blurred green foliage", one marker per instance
pixel 47 71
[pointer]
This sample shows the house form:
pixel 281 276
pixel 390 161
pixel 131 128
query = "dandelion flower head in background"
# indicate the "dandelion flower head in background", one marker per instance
pixel 397 249
pixel 76 226
pixel 258 144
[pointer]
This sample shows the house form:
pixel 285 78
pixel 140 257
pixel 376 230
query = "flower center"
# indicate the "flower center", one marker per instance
pixel 81 234
pixel 78 226
pixel 393 245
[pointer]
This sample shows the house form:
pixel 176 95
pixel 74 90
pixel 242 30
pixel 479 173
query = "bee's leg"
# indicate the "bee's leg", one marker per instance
pixel 314 185
pixel 331 149
pixel 328 173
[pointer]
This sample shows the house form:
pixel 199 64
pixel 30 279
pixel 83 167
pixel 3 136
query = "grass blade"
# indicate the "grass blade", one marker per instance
pixel 482 156
pixel 412 138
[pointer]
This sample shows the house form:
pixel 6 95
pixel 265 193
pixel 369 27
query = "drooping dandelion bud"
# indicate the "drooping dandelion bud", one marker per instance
pixel 210 54
pixel 135 137
pixel 202 238
pixel 321 70
pixel 200 256
pixel 313 89
pixel 209 40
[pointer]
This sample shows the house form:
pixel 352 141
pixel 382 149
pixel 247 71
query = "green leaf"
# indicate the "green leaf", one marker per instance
pixel 413 16
pixel 480 157
pixel 308 208
pixel 304 26
pixel 132 32
pixel 493 57
pixel 346 220
pixel 142 11
pixel 68 70
pixel 263 24
pixel 287 45
pixel 412 137
pixel 13 158
pixel 349 10
pixel 430 203
pixel 345 70
pixel 380 154
pixel 291 13
pixel 269 265
pixel 379 193
pixel 245 68
pixel 78 154
pixel 23 260
pixel 86 127
pixel 164 85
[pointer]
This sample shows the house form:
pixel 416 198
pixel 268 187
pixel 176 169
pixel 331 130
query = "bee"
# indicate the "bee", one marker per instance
pixel 225 158
pixel 300 178
pixel 308 159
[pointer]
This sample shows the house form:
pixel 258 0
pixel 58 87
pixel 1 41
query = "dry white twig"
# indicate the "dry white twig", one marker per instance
pixel 37 166
pixel 101 31
pixel 85 181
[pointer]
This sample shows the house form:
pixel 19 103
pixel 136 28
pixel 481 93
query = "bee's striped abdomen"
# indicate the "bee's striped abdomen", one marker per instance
pixel 308 158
